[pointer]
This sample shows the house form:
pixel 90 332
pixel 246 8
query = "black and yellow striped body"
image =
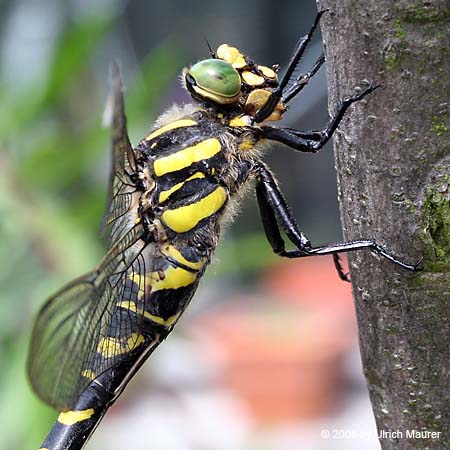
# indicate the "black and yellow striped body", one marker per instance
pixel 188 170
pixel 167 200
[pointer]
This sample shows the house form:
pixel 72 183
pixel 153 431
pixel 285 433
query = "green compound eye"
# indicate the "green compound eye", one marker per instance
pixel 217 80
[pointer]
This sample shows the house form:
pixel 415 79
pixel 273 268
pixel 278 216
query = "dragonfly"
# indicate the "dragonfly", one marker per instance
pixel 168 198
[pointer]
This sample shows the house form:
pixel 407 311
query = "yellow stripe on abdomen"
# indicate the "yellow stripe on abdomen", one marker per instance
pixel 185 218
pixel 73 417
pixel 186 157
pixel 109 347
pixel 171 126
pixel 128 304
pixel 171 278
pixel 174 278
pixel 174 253
pixel 89 374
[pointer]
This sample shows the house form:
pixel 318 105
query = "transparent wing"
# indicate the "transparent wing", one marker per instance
pixel 121 187
pixel 71 325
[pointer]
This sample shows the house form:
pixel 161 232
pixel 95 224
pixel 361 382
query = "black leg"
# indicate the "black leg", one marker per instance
pixel 312 141
pixel 275 214
pixel 344 276
pixel 274 211
pixel 276 95
pixel 301 81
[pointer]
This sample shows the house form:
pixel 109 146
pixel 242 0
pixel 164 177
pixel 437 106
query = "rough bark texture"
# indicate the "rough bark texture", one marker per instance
pixel 393 162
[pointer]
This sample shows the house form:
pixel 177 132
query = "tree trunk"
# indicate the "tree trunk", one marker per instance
pixel 393 161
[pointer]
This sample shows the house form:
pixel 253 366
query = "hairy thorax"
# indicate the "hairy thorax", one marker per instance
pixel 192 165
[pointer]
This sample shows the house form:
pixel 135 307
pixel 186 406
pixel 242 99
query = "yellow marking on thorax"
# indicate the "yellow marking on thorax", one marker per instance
pixel 187 217
pixel 171 126
pixel 110 346
pixel 164 195
pixel 128 304
pixel 247 143
pixel 240 121
pixel 43 448
pixel 174 253
pixel 184 158
pixel 73 417
pixel 89 374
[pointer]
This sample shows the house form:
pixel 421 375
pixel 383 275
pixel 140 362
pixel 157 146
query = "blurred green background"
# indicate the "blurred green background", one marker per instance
pixel 54 153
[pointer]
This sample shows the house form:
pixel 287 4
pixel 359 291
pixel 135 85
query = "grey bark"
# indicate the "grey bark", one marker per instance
pixel 393 162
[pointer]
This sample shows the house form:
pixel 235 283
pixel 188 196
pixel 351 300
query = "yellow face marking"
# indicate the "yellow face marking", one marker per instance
pixel 89 374
pixel 177 256
pixel 164 195
pixel 257 99
pixel 221 99
pixel 252 79
pixel 231 55
pixel 267 72
pixel 171 126
pixel 186 157
pixel 109 346
pixel 133 307
pixel 72 417
pixel 187 217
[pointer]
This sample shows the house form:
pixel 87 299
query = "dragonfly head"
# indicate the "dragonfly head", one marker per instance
pixel 233 82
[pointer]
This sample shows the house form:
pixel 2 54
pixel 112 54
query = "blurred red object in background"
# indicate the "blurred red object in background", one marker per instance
pixel 311 281
pixel 283 352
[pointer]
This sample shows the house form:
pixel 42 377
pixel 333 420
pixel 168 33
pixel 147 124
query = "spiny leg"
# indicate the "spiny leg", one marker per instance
pixel 277 94
pixel 275 214
pixel 340 247
pixel 312 141
pixel 344 276
pixel 301 81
